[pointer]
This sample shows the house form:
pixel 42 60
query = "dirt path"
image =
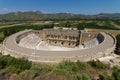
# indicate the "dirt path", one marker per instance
pixel 12 25
pixel 115 25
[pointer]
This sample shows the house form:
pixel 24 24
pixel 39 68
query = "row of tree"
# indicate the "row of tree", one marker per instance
pixel 118 44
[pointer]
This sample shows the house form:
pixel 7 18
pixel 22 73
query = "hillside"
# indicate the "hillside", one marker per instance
pixel 21 69
pixel 38 15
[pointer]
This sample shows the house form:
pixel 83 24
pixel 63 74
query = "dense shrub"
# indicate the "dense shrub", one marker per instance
pixel 70 67
pixel 14 64
pixel 81 76
pixel 98 65
pixel 116 73
pixel 106 76
pixel 2 36
pixel 76 70
pixel 66 67
pixel 94 25
pixel 118 40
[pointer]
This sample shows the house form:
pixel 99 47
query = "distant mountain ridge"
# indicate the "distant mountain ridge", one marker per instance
pixel 38 15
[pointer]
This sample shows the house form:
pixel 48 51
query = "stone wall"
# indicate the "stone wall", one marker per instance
pixel 87 36
pixel 35 58
pixel 57 56
pixel 66 38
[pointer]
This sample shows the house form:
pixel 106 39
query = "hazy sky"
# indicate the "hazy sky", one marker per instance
pixel 61 6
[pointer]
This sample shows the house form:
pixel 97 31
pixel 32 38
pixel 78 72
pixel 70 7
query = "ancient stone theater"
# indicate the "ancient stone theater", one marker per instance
pixel 55 45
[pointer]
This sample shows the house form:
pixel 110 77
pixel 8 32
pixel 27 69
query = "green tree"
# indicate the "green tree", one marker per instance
pixel 106 76
pixel 85 77
pixel 81 77
pixel 2 36
pixel 77 77
pixel 118 40
pixel 116 73
pixel 98 65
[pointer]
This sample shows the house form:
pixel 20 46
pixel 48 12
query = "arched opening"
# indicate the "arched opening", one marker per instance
pixel 62 42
